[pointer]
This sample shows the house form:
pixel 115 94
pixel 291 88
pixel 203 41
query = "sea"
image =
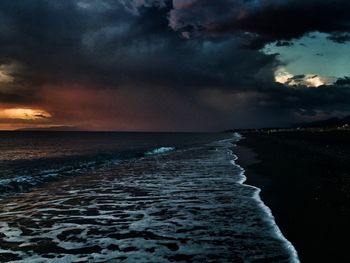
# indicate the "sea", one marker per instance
pixel 131 197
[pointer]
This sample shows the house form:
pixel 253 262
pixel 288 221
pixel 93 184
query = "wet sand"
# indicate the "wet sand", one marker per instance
pixel 305 181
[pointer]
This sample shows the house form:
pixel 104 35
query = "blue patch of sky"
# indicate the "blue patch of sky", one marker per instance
pixel 314 54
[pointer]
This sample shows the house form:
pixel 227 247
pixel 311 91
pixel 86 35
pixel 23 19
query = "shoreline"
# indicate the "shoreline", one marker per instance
pixel 302 188
pixel 294 258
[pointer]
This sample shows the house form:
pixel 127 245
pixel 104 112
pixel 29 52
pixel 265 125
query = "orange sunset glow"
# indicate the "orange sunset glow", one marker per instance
pixel 23 117
pixel 24 114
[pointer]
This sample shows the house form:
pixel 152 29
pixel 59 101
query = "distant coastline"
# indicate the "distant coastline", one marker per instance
pixel 52 128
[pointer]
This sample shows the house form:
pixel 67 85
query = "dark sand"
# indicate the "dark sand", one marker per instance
pixel 305 180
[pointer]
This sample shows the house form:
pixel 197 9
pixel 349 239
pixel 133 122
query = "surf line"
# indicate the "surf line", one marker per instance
pixel 294 258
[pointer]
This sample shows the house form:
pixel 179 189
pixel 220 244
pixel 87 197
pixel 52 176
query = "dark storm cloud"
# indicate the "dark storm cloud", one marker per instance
pixel 284 44
pixel 103 61
pixel 327 98
pixel 343 81
pixel 111 44
pixel 262 22
pixel 14 98
pixel 341 38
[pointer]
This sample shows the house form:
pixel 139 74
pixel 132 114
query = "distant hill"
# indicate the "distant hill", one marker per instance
pixel 328 123
pixel 53 128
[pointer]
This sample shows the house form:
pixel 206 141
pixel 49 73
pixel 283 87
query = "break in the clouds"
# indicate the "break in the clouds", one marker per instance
pixel 165 65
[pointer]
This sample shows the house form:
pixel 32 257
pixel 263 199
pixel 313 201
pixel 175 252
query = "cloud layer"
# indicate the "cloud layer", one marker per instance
pixel 262 21
pixel 161 65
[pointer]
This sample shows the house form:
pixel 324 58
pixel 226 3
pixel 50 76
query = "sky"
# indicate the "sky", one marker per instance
pixel 172 65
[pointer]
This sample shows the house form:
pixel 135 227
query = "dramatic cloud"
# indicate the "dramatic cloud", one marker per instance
pixel 134 5
pixel 262 21
pixel 161 65
pixel 284 77
pixel 343 81
pixel 23 114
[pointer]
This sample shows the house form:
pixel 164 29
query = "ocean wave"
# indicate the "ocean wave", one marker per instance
pixel 267 211
pixel 23 183
pixel 160 150
pixel 25 180
pixel 189 206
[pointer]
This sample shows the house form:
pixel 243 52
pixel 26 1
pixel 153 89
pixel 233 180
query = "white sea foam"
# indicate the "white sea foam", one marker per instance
pixel 265 208
pixel 160 150
pixel 191 204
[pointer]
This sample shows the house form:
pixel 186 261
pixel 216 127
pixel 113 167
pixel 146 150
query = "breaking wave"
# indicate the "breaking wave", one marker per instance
pixel 160 150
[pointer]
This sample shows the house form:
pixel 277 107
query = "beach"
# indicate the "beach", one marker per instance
pixel 304 177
